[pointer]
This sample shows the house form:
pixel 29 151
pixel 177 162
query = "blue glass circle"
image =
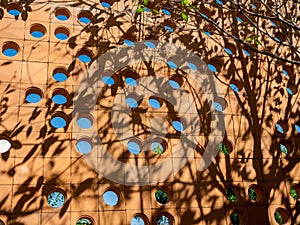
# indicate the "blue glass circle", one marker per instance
pixel 253 6
pixel 289 91
pixel 61 36
pixel 178 125
pixel 33 98
pixel 84 20
pixel 10 52
pixel 60 77
pixel 163 220
pixel 130 81
pixel 84 58
pixel 37 34
pixel 157 148
pixel 131 102
pixel 279 128
pixel 234 87
pixel 154 103
pixel 110 198
pixel 239 19
pixel 137 220
pixel 246 52
pixel 172 65
pixel 105 4
pixel 169 29
pixel 14 12
pixel 218 106
pixel 207 33
pixel 58 122
pixel 174 84
pixel 56 199
pixel 84 123
pixel 129 43
pixel 84 147
pixel 285 72
pixel 228 51
pixel 59 99
pixel 150 44
pixel 165 11
pixel 134 148
pixel 192 66
pixel 62 17
pixel 212 68
pixel 297 127
pixel 219 2
pixel 283 149
pixel 108 80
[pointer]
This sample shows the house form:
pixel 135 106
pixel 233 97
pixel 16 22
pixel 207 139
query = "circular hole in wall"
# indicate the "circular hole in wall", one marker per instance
pixel 56 198
pixel 291 89
pixel 62 14
pixel 134 146
pixel 155 102
pixel 85 55
pixel 139 219
pixel 176 82
pixel 131 78
pixel 14 9
pixel 255 193
pixel 37 30
pixel 60 74
pixel 162 196
pixel 85 121
pixel 33 95
pixel 61 33
pixel 220 104
pixel 59 120
pixel 60 96
pixel 225 147
pixel 111 197
pixel 85 17
pixel 236 85
pixel 281 127
pixel 84 145
pixel 295 191
pixel 2 223
pixel 85 220
pixel 230 49
pixel 159 146
pixel 232 193
pixel 285 147
pixel 5 143
pixel 10 49
pixel 281 216
pixel 164 219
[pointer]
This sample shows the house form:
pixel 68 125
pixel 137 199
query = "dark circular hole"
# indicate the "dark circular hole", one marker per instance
pixel 62 14
pixel 33 95
pixel 37 30
pixel 10 49
pixel 62 33
pixel 85 16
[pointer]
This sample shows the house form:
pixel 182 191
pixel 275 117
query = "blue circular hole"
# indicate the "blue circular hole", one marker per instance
pixel 277 39
pixel 60 77
pixel 219 2
pixel 110 198
pixel 273 23
pixel 297 127
pixel 154 103
pixel 59 99
pixel 253 6
pixel 228 51
pixel 84 147
pixel 10 52
pixel 58 122
pixel 178 125
pixel 150 44
pixel 146 9
pixel 166 12
pixel 163 220
pixel 204 15
pixel 169 29
pixel 84 58
pixel 133 148
pixel 131 102
pixel 289 91
pixel 174 84
pixel 84 20
pixel 14 12
pixel 84 123
pixel 239 19
pixel 137 220
pixel 56 199
pixel 246 52
pixel 279 128
pixel 105 4
pixel 130 81
pixel 284 149
pixel 212 68
pixel 192 66
pixel 172 65
pixel 234 87
pixel 285 72
pixel 218 106
pixel 108 80
pixel 33 98
pixel 157 148
pixel 207 33
pixel 129 43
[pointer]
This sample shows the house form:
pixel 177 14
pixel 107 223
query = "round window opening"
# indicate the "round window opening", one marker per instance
pixel 161 196
pixel 134 146
pixel 111 198
pixel 85 17
pixel 14 9
pixel 33 95
pixel 234 218
pixel 138 220
pixel 84 145
pixel 158 148
pixel 85 121
pixel 10 49
pixel 164 219
pixel 230 194
pixel 37 30
pixel 60 74
pixel 295 191
pixel 62 14
pixel 85 221
pixel 60 96
pixel 61 33
pixel 281 216
pixel 176 82
pixel 59 120
pixel 56 199
pixel 85 55
pixel 225 147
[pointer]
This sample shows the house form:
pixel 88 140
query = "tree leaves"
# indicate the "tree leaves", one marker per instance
pixel 184 16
